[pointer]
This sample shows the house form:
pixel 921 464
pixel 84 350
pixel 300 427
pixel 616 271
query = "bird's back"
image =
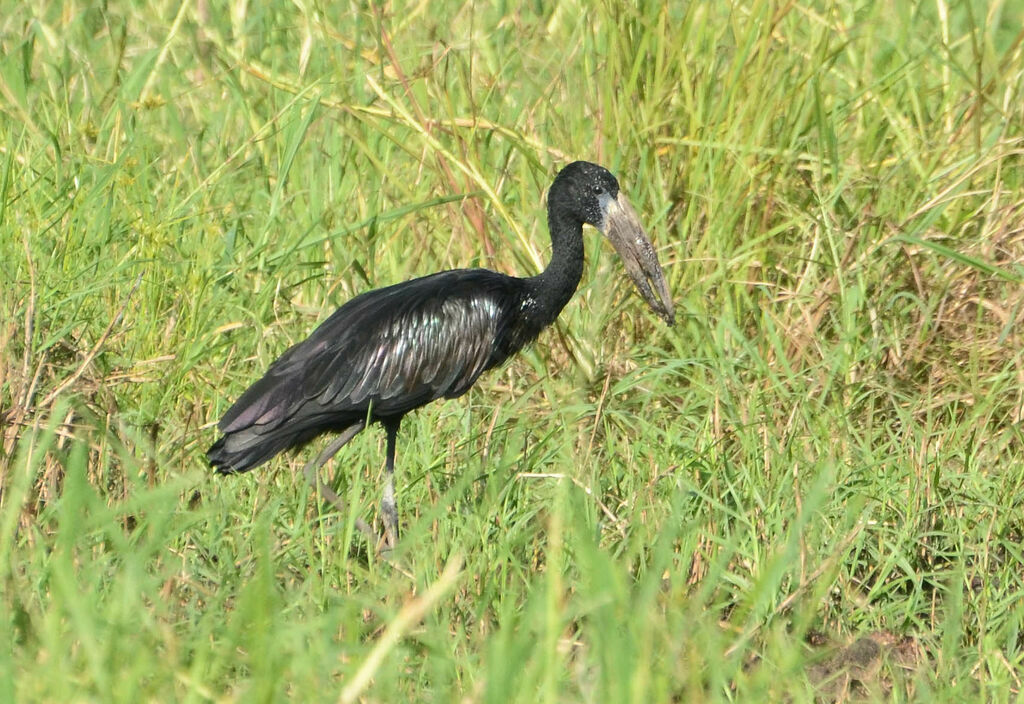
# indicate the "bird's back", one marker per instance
pixel 380 355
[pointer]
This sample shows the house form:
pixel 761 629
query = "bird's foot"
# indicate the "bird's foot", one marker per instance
pixel 390 537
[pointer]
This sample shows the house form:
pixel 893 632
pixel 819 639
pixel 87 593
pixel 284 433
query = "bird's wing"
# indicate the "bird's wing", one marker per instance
pixel 394 349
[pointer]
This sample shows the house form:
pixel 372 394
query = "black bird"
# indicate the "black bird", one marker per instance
pixel 394 349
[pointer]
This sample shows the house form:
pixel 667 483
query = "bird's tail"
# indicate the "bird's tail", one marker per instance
pixel 242 450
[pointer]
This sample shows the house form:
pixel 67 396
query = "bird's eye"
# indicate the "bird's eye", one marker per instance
pixel 598 190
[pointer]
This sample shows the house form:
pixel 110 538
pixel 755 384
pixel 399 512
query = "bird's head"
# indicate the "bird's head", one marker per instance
pixel 593 193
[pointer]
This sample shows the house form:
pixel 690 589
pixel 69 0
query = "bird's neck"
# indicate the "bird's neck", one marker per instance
pixel 556 284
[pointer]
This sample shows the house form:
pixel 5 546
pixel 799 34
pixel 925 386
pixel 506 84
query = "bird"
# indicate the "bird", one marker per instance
pixel 391 350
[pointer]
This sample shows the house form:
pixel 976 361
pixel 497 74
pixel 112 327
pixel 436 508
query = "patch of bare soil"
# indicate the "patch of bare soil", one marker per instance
pixel 866 669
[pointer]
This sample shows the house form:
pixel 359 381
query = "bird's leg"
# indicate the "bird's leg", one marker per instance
pixel 388 510
pixel 312 473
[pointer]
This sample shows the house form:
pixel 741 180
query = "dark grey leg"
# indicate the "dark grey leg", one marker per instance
pixel 388 509
pixel 312 473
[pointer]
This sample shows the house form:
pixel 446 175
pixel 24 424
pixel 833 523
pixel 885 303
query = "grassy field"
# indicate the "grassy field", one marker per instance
pixel 808 489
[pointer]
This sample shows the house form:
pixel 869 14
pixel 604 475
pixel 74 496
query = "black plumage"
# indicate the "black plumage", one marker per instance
pixel 394 349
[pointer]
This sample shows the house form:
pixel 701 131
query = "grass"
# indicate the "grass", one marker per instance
pixel 806 490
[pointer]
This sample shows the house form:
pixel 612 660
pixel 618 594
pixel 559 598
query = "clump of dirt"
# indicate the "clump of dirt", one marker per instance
pixel 866 668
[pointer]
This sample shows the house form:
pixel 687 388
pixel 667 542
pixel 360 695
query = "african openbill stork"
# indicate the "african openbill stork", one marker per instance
pixel 393 349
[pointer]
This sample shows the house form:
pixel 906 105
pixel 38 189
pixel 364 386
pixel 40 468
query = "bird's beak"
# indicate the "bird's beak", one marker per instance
pixel 623 229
